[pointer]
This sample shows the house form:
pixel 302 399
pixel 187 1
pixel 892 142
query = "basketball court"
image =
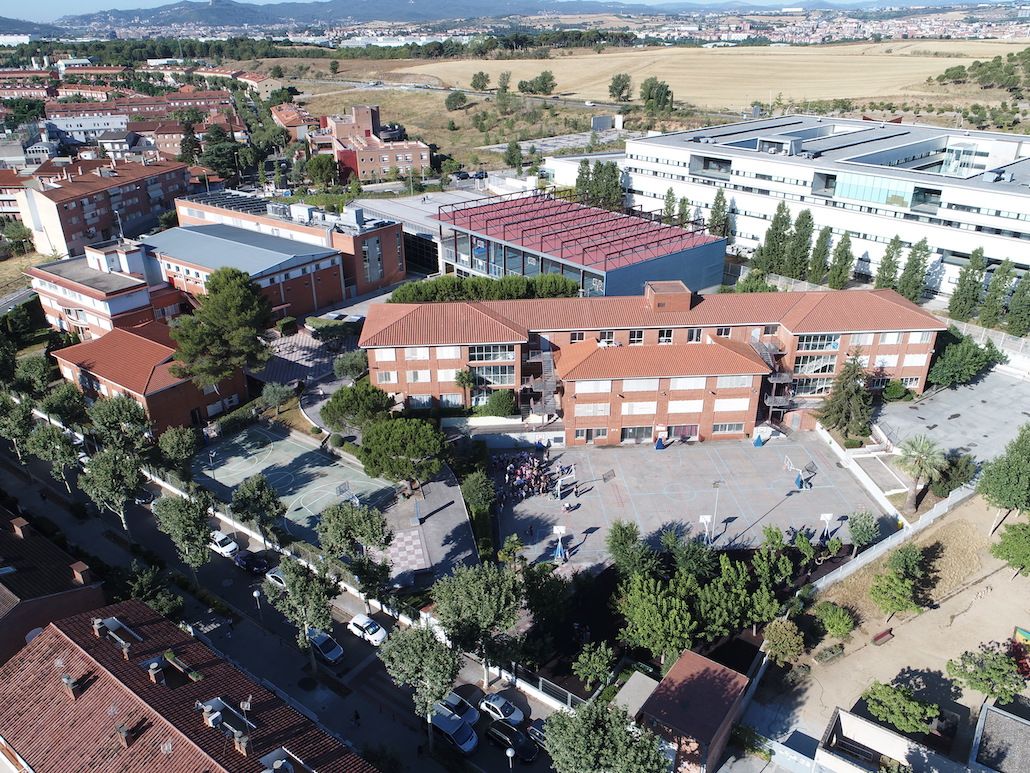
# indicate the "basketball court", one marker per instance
pixel 727 491
pixel 306 478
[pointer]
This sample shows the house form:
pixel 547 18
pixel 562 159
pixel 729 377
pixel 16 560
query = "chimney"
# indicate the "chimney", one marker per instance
pixel 21 528
pixel 99 629
pixel 125 650
pixel 71 686
pixel 81 573
pixel 124 735
pixel 156 673
pixel 241 743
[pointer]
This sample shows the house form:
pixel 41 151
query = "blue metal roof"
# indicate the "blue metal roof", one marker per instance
pixel 216 246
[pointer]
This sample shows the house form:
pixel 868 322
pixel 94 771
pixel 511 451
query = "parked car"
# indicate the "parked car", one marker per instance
pixel 364 627
pixel 535 731
pixel 480 175
pixel 499 707
pixel 454 702
pixel 461 175
pixel 326 647
pixel 507 736
pixel 223 544
pixel 254 563
pixel 454 729
pixel 143 497
pixel 275 576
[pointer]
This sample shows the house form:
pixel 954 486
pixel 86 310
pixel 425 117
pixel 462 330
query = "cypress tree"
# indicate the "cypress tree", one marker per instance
pixel 718 220
pixel 887 271
pixel 820 260
pixel 841 265
pixel 993 310
pixel 669 207
pixel 774 246
pixel 583 178
pixel 799 247
pixel 683 211
pixel 966 296
pixel 849 406
pixel 913 275
pixel 1019 308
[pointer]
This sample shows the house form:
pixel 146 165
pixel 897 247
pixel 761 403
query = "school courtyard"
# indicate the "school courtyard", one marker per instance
pixel 741 489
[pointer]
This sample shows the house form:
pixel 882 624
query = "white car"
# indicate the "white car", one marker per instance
pixel 275 576
pixel 326 647
pixel 458 705
pixel 499 707
pixel 223 544
pixel 364 627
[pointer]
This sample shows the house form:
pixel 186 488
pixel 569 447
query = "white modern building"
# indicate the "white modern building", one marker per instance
pixel 959 189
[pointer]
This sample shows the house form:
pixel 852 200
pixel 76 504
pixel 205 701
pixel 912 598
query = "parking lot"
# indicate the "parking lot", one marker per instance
pixel 978 418
pixel 741 487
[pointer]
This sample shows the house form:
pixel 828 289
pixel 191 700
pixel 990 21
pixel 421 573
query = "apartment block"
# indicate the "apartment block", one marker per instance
pixel 669 363
pixel 125 198
pixel 371 248
pixel 959 189
pixel 365 148
pixel 208 101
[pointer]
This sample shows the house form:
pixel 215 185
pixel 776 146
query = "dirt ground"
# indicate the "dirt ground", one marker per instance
pixel 11 276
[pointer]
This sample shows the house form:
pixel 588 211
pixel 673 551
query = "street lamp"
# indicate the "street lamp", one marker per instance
pixel 510 752
pixel 257 600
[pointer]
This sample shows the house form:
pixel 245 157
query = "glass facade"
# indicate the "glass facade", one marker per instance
pixel 492 352
pixel 875 190
pixel 495 375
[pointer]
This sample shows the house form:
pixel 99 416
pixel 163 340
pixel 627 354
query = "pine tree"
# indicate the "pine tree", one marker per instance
pixel 841 265
pixel 913 275
pixel 583 178
pixel 992 312
pixel 820 260
pixel 848 407
pixel 669 207
pixel 1019 308
pixel 683 212
pixel 887 271
pixel 773 254
pixel 966 295
pixel 799 247
pixel 718 219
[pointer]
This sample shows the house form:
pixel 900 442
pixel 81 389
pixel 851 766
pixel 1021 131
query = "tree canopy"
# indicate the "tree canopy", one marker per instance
pixel 1005 480
pixel 849 406
pixel 121 424
pixel 415 658
pixel 896 706
pixel 887 271
pixel 53 446
pixel 347 529
pixel 111 478
pixel 991 671
pixel 185 521
pixel 306 600
pixel 256 500
pixel 401 449
pixel 599 736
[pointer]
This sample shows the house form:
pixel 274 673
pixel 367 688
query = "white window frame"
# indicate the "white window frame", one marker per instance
pixel 447 375
pixel 731 404
pixel 688 383
pixel 890 339
pixel 593 387
pixel 919 337
pixel 734 382
pixel 640 385
pixel 686 406
pixel 416 352
pixel 386 377
pixel 592 409
pixel 386 355
pixel 448 352
pixel 422 376
pixel 861 339
pixel 914 360
pixel 643 408
pixel 728 428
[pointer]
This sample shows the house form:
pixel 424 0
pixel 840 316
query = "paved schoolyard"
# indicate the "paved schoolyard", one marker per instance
pixel 674 486
pixel 299 356
pixel 307 479
pixel 979 418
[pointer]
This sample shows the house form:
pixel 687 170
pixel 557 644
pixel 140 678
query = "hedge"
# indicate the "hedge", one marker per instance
pixel 237 420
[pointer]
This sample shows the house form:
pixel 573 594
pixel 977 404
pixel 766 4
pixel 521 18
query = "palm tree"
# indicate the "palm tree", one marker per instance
pixel 466 380
pixel 923 459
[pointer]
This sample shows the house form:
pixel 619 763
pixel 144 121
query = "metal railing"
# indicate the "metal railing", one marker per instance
pixel 547 687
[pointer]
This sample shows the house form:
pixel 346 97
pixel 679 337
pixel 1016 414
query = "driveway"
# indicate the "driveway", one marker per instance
pixel 979 418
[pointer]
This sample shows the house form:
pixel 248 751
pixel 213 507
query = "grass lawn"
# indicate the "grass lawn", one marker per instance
pixel 290 415
pixel 11 276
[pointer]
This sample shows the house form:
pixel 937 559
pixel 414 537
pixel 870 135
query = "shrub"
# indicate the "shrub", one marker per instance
pixel 336 441
pixel 236 420
pixel 894 390
pixel 837 620
pixel 315 430
pixel 500 403
pixel 827 654
pixel 350 448
pixel 287 326
pixel 960 470
pixel 852 442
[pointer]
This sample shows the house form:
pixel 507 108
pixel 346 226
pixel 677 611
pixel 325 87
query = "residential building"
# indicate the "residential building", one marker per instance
pixel 119 199
pixel 85 91
pixel 605 253
pixel 210 101
pixel 115 284
pixel 671 363
pixel 18 76
pixel 854 744
pixel 957 188
pixel 39 583
pixel 10 183
pixel 26 91
pixel 124 689
pixel 166 136
pixel 86 128
pixel 694 709
pixel 296 277
pixel 12 154
pixel 1002 740
pixel 372 248
pixel 124 145
pixel 365 148
pixel 138 362
pixel 295 119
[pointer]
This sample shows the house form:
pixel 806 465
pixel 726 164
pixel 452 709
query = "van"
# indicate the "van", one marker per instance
pixel 454 729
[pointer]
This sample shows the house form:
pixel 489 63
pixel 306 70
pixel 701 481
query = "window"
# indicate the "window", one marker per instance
pixel 593 387
pixel 912 360
pixel 387 377
pixel 886 360
pixel 863 360
pixel 889 339
pixel 686 406
pixel 722 332
pixel 416 352
pixel 448 352
pixel 640 385
pixel 912 382
pixel 606 335
pixel 727 429
pixel 636 337
pixel 209 390
pixel 732 404
pixel 813 364
pixel 813 386
pixel 640 409
pixel 496 375
pixel 420 401
pixel 815 343
pixel 418 376
pixel 733 382
pixel 490 352
pixel 861 339
pixel 452 401
pixel 636 434
pixel 592 409
pixel 878 383
pixel 693 335
pixel 576 337
pixel 665 335
pixel 446 374
pixel 590 435
pixel 922 337
pixel 687 382
pixel 770 330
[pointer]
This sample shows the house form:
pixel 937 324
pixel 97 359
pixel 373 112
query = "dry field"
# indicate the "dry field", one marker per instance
pixel 11 276
pixel 733 77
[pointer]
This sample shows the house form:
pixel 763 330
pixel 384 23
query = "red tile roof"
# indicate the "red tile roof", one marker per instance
pixel 719 357
pixel 695 698
pixel 121 174
pixel 827 311
pixel 137 359
pixel 53 733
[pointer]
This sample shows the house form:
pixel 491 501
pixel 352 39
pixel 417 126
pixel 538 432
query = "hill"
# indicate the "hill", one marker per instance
pixel 21 27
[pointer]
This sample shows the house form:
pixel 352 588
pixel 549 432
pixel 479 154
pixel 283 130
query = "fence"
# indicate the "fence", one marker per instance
pixel 1009 344
pixel 849 463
